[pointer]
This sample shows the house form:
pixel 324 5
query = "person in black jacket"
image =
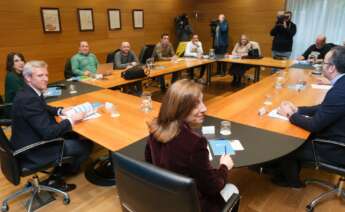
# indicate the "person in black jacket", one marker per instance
pixel 324 121
pixel 283 32
pixel 34 121
pixel 318 50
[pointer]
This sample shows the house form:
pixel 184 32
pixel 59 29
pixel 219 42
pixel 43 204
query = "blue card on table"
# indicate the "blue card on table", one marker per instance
pixel 221 147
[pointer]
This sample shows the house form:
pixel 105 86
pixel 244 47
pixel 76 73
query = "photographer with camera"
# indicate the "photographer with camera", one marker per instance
pixel 283 33
pixel 219 31
pixel 183 28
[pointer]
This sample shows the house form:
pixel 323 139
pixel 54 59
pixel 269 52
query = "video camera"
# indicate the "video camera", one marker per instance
pixel 181 21
pixel 213 25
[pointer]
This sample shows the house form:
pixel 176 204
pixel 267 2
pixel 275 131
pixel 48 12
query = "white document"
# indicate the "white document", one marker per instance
pixel 274 114
pixel 236 145
pixel 208 130
pixel 86 107
pixel 228 190
pixel 92 116
pixel 322 87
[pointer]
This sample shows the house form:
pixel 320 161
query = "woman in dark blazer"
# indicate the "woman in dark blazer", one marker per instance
pixel 174 145
pixel 14 78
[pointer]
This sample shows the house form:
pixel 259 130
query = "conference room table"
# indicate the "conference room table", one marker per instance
pixel 258 63
pixel 113 133
pixel 264 138
pixel 159 69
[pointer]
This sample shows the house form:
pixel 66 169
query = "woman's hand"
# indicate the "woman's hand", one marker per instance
pixel 227 161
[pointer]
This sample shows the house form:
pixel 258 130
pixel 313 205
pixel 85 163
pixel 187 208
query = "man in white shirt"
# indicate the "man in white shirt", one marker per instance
pixel 194 49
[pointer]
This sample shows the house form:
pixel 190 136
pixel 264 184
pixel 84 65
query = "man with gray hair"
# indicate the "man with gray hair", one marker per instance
pixel 34 121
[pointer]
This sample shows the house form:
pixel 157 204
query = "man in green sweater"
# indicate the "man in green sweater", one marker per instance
pixel 84 63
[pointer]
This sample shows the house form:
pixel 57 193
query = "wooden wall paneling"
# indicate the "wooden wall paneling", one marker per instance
pixel 21 29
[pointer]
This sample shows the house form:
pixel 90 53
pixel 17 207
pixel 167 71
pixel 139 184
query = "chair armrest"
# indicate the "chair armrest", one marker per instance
pixel 337 143
pixel 322 141
pixel 5 105
pixel 232 204
pixel 5 122
pixel 37 144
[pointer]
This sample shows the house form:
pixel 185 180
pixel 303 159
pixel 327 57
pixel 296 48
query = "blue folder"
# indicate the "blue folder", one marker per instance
pixel 221 147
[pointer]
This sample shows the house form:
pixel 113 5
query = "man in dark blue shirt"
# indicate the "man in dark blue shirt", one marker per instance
pixel 325 121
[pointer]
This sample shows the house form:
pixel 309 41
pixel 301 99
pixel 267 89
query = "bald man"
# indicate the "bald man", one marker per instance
pixel 125 57
pixel 84 63
pixel 319 49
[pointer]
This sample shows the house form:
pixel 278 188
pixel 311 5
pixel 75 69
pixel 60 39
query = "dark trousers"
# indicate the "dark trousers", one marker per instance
pixel 162 80
pixel 221 66
pixel 291 165
pixel 202 72
pixel 237 71
pixel 79 150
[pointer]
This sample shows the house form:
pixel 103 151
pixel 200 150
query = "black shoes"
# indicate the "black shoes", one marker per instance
pixel 59 184
pixel 282 182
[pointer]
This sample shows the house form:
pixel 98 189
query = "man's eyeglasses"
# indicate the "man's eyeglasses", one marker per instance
pixel 327 64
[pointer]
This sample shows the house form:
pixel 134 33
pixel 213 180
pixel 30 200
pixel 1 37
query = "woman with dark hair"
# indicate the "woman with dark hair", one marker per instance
pixel 14 78
pixel 173 144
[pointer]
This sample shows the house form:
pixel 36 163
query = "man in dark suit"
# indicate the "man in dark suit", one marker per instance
pixel 34 121
pixel 325 121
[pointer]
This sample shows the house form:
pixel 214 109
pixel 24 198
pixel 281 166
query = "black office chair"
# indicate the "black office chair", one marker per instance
pixel 145 188
pixel 13 169
pixel 146 52
pixel 110 56
pixel 68 73
pixel 321 163
pixel 5 110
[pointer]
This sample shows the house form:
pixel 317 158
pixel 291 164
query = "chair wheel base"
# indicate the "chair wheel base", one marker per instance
pixel 101 173
pixel 4 208
pixel 309 208
pixel 66 201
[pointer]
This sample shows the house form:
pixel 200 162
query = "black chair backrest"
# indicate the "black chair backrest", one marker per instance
pixel 146 52
pixel 5 109
pixel 68 73
pixel 9 164
pixel 146 188
pixel 110 56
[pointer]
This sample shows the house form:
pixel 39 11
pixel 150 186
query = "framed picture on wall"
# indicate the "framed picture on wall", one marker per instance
pixel 138 19
pixel 85 18
pixel 50 19
pixel 114 19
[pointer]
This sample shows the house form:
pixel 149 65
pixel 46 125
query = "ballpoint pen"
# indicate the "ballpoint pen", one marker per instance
pixel 225 149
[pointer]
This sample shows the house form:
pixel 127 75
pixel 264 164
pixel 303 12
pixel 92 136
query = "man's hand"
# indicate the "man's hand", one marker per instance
pixel 64 111
pixel 323 81
pixel 287 109
pixel 87 73
pixel 78 117
pixel 300 58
